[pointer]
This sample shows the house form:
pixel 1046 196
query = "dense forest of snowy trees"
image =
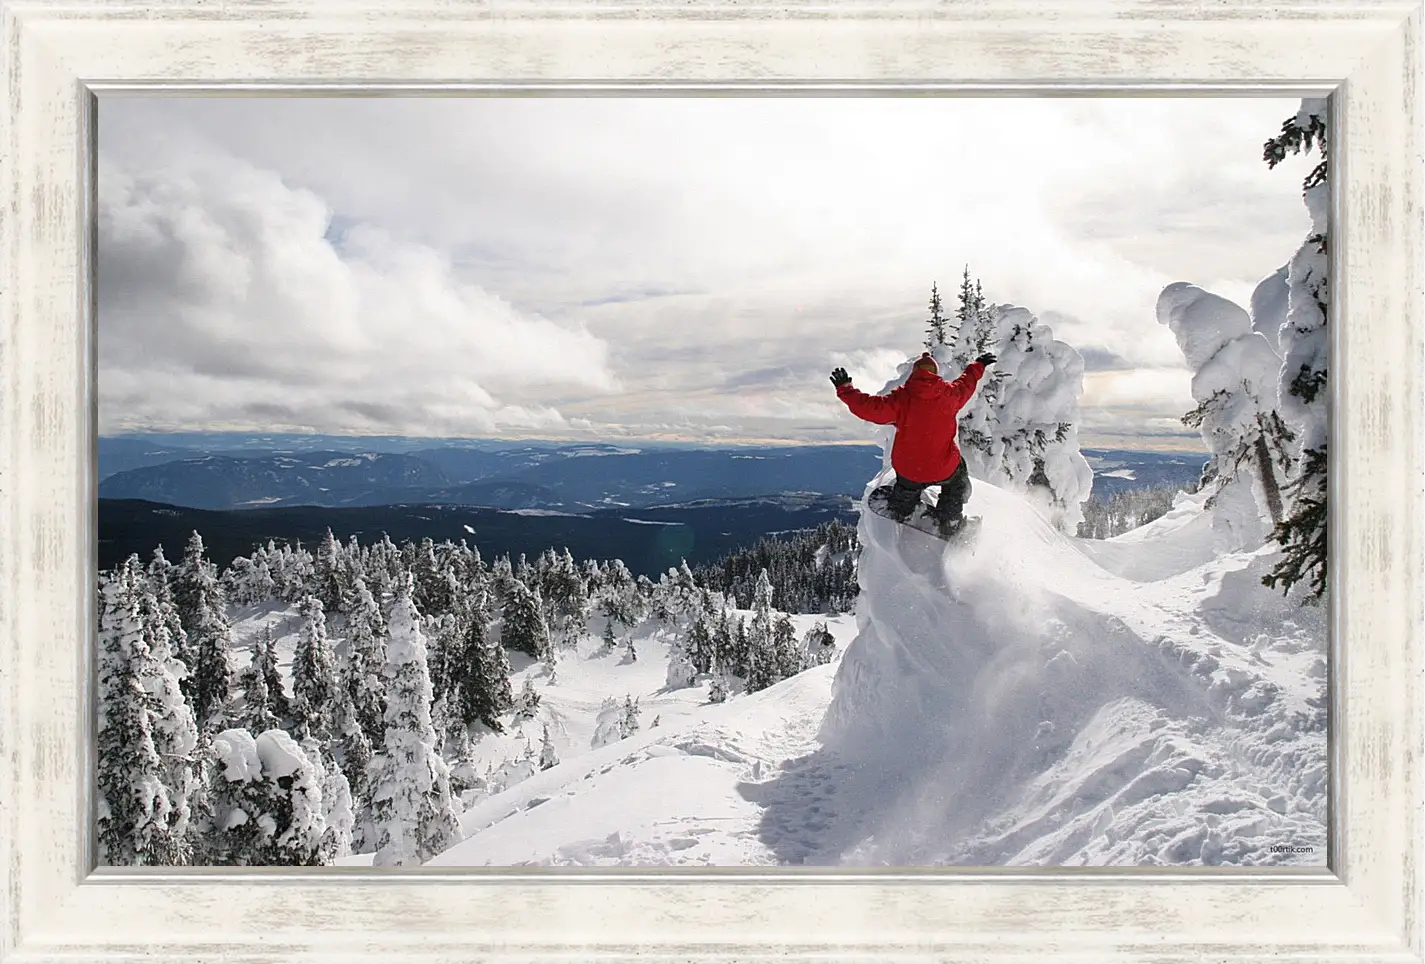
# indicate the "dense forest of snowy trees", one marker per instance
pixel 811 572
pixel 400 665
pixel 1121 512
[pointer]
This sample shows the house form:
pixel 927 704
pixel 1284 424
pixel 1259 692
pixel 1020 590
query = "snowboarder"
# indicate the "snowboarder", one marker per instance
pixel 924 453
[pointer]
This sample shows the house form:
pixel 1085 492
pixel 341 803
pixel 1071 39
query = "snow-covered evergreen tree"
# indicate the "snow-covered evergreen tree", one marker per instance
pixel 314 681
pixel 937 327
pixel 974 323
pixel 1234 383
pixel 527 702
pixel 161 574
pixel 267 801
pixel 239 802
pixel 786 654
pixel 265 704
pixel 413 812
pixel 702 652
pixel 615 721
pixel 566 598
pixel 201 606
pixel 329 574
pixel 1304 345
pixel 658 608
pixel 366 662
pixel 681 671
pixel 136 817
pixel 479 672
pixel 356 749
pixel 175 732
pixel 619 598
pixel 1020 429
pixel 502 578
pixel 428 566
pixel 547 757
pixel 239 582
pixel 443 638
pixel 677 591
pixel 730 645
pixel 383 564
pixel 337 815
pixel 762 669
pixel 525 629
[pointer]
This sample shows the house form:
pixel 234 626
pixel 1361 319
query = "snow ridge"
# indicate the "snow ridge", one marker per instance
pixel 1017 703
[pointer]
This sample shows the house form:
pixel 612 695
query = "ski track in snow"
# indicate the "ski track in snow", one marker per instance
pixel 1032 700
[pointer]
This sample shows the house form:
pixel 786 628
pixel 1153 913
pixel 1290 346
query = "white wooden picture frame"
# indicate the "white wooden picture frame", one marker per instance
pixel 55 907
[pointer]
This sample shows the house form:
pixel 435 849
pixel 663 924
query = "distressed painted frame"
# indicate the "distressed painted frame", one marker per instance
pixel 53 906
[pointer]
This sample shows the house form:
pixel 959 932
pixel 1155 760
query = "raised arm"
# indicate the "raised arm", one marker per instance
pixel 963 387
pixel 881 409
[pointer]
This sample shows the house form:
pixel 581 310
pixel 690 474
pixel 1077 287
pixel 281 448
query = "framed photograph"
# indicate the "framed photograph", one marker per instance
pixel 393 399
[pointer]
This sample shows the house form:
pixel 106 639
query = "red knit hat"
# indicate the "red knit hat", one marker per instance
pixel 926 361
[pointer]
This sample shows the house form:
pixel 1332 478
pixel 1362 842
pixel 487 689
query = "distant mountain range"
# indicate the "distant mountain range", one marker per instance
pixel 647 506
pixel 568 477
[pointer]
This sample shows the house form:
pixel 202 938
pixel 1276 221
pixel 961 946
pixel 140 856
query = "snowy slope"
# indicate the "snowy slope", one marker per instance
pixel 1039 700
pixel 1023 704
pixel 684 792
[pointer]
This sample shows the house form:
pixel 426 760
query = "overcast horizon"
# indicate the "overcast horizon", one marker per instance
pixel 631 269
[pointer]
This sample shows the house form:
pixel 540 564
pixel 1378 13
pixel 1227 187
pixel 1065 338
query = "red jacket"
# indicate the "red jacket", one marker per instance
pixel 924 411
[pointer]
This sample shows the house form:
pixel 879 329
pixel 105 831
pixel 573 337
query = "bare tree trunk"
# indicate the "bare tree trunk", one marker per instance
pixel 1269 480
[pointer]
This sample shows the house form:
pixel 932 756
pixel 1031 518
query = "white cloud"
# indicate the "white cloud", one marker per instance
pixel 226 301
pixel 612 259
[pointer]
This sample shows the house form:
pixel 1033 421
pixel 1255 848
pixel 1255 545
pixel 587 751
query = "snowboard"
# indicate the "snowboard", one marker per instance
pixel 921 520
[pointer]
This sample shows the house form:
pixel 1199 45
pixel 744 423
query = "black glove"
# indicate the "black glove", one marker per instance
pixel 986 359
pixel 839 377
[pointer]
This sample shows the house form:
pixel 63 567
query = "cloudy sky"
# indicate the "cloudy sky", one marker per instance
pixel 672 268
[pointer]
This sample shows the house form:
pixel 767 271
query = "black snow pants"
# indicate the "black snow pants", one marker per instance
pixel 954 493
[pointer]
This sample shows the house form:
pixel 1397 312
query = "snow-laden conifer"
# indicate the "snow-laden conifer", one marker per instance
pixel 267 801
pixel 366 662
pixel 762 669
pixel 413 812
pixel 265 704
pixel 937 326
pixel 1304 346
pixel 161 574
pixel 786 654
pixel 135 813
pixel 337 815
pixel 202 607
pixel 547 756
pixel 329 575
pixel 527 702
pixel 618 596
pixel 565 595
pixel 487 695
pixel 525 629
pixel 1234 383
pixel 175 732
pixel 314 679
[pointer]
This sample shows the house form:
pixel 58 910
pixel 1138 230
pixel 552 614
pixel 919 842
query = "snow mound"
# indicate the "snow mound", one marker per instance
pixel 1019 702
